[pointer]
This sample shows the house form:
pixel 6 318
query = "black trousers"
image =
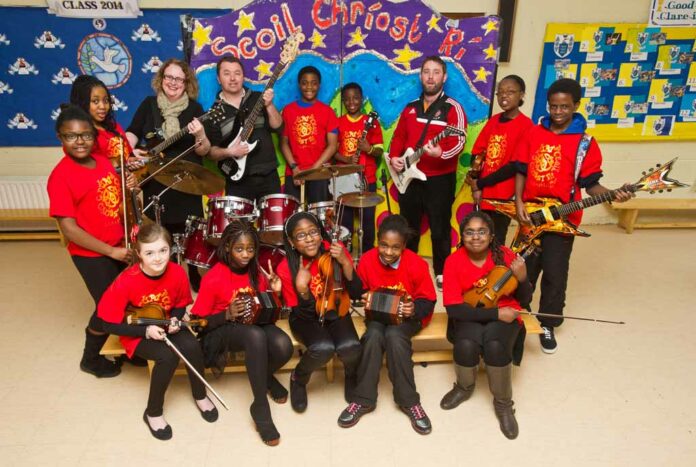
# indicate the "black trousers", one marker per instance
pixel 193 274
pixel 552 264
pixel 501 222
pixel 97 273
pixel 434 198
pixel 395 340
pixel 335 336
pixel 495 341
pixel 254 187
pixel 315 191
pixel 368 221
pixel 166 362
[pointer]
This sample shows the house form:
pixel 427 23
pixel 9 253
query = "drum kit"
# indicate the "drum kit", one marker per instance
pixel 197 245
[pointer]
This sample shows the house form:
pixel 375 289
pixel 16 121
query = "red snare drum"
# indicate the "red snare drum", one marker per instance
pixel 272 252
pixel 198 252
pixel 222 210
pixel 274 210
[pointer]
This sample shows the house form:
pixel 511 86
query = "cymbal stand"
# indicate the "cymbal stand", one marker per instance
pixel 178 248
pixel 361 232
pixel 155 199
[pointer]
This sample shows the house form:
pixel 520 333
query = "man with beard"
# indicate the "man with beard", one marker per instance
pixel 419 122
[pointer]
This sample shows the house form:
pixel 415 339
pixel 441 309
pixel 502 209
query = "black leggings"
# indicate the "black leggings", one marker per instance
pixel 337 336
pixel 495 340
pixel 97 273
pixel 166 361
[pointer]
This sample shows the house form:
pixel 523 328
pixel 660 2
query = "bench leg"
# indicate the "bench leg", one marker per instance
pixel 330 370
pixel 630 220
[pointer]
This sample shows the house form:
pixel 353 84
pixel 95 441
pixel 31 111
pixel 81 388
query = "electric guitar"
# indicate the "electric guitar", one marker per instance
pixel 403 179
pixel 549 214
pixel 234 167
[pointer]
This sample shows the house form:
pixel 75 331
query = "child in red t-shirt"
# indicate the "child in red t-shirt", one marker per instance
pixel 85 199
pixel 494 333
pixel 392 266
pixel 266 348
pixel 354 149
pixel 309 136
pixel 154 280
pixel 303 286
pixel 495 146
pixel 546 161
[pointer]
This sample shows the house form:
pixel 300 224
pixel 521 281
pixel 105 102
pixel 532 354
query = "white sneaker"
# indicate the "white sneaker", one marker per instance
pixel 438 282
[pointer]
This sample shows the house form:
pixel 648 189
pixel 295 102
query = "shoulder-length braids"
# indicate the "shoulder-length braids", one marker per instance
pixel 234 230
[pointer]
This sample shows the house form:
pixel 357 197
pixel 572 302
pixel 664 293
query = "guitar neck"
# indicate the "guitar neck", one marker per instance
pixel 169 141
pixel 415 157
pixel 258 106
pixel 573 206
pixel 508 274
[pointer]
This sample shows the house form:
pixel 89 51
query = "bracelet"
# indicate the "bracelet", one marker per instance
pixel 372 148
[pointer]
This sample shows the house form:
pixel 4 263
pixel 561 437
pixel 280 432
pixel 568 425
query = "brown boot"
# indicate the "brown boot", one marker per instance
pixel 500 383
pixel 463 388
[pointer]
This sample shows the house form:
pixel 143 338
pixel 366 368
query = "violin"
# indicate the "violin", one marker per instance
pixel 335 296
pixel 131 205
pixel 154 314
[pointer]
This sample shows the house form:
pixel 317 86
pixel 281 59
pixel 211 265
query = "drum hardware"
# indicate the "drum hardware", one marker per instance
pixel 195 179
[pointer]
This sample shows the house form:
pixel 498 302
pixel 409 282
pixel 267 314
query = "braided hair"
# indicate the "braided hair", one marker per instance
pixel 81 93
pixel 495 246
pixel 233 232
pixel 292 255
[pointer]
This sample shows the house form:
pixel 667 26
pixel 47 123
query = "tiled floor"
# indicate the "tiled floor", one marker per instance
pixel 611 395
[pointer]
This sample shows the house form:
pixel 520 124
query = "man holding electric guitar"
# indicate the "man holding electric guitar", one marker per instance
pixel 435 126
pixel 249 165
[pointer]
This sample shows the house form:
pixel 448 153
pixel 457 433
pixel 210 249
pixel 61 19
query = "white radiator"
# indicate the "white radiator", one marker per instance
pixel 23 193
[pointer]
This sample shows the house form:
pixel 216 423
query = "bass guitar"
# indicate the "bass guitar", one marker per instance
pixel 550 214
pixel 234 168
pixel 410 171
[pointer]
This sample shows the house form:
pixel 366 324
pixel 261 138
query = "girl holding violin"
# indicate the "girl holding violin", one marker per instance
pixel 155 282
pixel 392 266
pixel 494 332
pixel 85 199
pixel 319 281
pixel 223 301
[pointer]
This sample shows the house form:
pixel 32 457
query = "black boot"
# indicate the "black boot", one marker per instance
pixel 92 362
pixel 261 414
pixel 500 383
pixel 463 388
pixel 298 394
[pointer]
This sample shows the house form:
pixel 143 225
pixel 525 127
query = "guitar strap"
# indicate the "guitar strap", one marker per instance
pixel 432 110
pixel 156 114
pixel 583 146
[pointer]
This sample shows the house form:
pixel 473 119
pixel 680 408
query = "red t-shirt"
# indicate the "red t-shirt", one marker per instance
pixel 306 128
pixel 316 284
pixel 91 196
pixel 550 160
pixel 349 132
pixel 412 275
pixel 460 274
pixel 220 286
pixel 133 287
pixel 498 141
pixel 107 144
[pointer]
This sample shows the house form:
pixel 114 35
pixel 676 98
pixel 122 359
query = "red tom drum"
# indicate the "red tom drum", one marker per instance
pixel 274 210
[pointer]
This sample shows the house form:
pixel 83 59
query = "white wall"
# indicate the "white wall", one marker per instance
pixel 623 162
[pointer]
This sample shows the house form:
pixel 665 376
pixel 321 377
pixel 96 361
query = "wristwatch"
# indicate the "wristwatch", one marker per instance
pixel 292 165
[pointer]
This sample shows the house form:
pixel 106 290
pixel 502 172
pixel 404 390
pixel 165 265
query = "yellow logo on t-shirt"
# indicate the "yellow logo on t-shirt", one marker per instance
pixel 545 163
pixel 305 130
pixel 497 145
pixel 162 299
pixel 109 196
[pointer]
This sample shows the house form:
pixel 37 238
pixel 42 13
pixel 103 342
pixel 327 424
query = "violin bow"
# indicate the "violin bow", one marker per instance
pixel 195 372
pixel 549 315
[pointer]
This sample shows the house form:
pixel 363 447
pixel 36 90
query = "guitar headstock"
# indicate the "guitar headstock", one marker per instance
pixel 657 179
pixel 291 47
pixel 216 114
pixel 372 117
pixel 454 131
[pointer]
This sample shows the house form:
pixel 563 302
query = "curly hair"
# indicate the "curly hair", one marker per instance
pixel 236 229
pixel 81 96
pixel 191 81
pixel 495 246
pixel 396 223
pixel 73 112
pixel 292 254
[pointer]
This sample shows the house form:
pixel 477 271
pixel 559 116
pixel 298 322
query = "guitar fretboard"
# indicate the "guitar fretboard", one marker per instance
pixel 573 206
pixel 256 110
pixel 413 158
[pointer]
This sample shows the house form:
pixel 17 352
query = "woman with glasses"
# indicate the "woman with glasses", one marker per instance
pixel 494 147
pixel 172 108
pixel 496 333
pixel 305 243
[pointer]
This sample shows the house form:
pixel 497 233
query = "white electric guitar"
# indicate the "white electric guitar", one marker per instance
pixel 235 167
pixel 403 179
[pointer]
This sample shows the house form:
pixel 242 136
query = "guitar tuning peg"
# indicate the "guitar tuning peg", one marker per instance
pixel 658 165
pixel 661 191
pixel 669 190
pixel 652 192
pixel 644 173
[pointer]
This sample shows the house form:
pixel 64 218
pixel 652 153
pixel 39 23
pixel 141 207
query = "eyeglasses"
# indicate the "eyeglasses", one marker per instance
pixel 302 236
pixel 174 79
pixel 469 233
pixel 72 137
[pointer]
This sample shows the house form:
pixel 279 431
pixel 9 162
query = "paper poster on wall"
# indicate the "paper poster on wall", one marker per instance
pixel 638 82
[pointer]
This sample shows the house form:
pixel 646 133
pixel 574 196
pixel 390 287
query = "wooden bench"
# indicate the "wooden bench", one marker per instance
pixel 628 212
pixel 29 215
pixel 429 345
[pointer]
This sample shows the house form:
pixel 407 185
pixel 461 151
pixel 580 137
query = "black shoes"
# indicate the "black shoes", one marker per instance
pixel 100 367
pixel 548 340
pixel 209 415
pixel 351 414
pixel 261 414
pixel 277 391
pixel 298 395
pixel 162 434
pixel 419 419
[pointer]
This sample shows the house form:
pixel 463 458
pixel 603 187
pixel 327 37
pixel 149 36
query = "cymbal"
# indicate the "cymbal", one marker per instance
pixel 189 177
pixel 361 199
pixel 326 172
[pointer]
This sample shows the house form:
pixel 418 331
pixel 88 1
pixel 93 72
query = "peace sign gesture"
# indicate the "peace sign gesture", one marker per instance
pixel 302 278
pixel 273 279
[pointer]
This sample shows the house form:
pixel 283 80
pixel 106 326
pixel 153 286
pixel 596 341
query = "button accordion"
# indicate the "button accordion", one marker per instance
pixel 383 305
pixel 261 308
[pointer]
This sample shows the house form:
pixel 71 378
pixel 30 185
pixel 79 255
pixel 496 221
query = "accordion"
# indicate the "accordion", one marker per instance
pixel 382 305
pixel 261 308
